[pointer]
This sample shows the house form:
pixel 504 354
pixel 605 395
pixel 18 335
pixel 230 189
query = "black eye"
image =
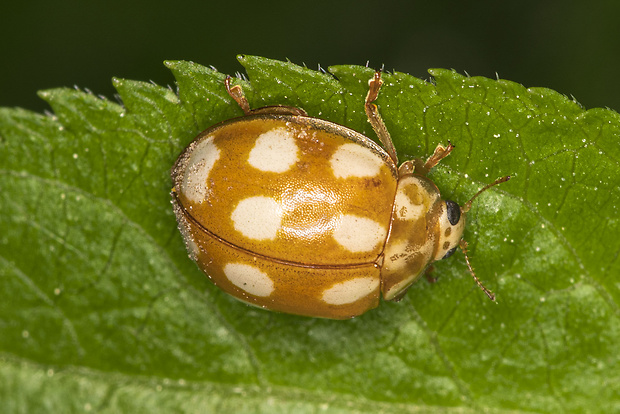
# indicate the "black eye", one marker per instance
pixel 450 253
pixel 454 213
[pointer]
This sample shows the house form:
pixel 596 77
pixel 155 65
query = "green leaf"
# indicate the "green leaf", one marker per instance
pixel 101 309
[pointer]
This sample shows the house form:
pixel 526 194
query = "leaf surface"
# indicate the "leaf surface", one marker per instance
pixel 102 310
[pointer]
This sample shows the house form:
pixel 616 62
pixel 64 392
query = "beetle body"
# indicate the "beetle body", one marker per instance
pixel 300 215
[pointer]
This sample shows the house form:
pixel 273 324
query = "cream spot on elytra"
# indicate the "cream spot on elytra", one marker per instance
pixel 274 151
pixel 350 291
pixel 249 278
pixel 258 218
pixel 354 160
pixel 199 166
pixel 359 234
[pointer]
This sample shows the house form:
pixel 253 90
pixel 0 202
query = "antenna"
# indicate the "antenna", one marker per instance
pixel 463 243
pixel 467 205
pixel 463 246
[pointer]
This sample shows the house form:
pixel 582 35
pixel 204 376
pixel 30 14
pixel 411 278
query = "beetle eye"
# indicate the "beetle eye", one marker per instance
pixel 453 211
pixel 450 253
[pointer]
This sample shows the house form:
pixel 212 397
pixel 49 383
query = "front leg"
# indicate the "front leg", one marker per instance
pixel 440 153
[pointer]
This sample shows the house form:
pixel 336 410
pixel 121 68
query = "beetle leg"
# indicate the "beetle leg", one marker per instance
pixel 372 112
pixel 279 110
pixel 440 153
pixel 428 274
pixel 236 93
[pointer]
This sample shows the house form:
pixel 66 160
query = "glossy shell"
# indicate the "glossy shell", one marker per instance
pixel 288 212
pixel 300 215
pixel 293 213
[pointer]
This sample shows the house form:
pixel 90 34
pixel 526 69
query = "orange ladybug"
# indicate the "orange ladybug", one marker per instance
pixel 300 215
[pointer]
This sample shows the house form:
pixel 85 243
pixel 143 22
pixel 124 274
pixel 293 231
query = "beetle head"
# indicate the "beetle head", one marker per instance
pixel 451 226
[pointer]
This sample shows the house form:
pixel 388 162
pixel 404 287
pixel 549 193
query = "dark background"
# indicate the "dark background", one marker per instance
pixel 570 46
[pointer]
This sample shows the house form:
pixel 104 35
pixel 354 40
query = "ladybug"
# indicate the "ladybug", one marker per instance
pixel 304 216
